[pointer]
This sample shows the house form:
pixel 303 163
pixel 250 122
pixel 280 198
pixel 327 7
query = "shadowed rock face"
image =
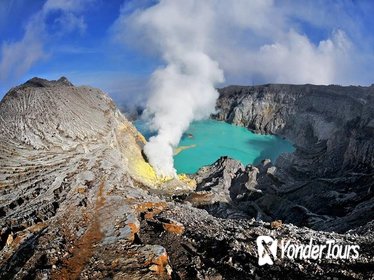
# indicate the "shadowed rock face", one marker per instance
pixel 332 126
pixel 78 201
pixel 329 179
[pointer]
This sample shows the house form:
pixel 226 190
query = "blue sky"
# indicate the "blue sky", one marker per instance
pixel 80 54
pixel 104 44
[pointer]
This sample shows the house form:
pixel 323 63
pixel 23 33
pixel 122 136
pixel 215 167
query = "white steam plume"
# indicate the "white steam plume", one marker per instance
pixel 183 90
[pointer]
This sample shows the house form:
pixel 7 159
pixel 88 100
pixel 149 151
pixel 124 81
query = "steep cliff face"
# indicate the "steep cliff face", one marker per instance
pixel 332 127
pixel 78 201
pixel 337 122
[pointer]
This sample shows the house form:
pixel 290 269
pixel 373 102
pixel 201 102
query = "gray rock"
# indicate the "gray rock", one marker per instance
pixel 78 201
pixel 331 128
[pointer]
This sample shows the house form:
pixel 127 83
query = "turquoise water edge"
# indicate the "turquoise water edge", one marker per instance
pixel 205 141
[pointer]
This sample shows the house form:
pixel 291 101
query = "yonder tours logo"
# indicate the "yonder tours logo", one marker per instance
pixel 267 248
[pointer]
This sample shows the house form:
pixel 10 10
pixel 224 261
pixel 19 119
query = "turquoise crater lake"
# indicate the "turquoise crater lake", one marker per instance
pixel 205 141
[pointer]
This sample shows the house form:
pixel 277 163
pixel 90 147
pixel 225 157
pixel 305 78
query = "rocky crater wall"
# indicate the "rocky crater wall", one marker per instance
pixel 330 175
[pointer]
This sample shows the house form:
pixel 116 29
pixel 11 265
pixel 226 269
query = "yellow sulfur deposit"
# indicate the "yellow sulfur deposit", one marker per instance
pixel 146 174
pixel 187 180
pixel 182 148
pixel 144 170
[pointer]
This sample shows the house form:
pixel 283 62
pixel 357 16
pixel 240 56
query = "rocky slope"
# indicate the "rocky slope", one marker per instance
pixel 329 179
pixel 78 201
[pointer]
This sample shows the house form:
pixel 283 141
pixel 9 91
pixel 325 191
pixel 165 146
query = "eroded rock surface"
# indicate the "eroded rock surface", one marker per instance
pixel 78 201
pixel 329 179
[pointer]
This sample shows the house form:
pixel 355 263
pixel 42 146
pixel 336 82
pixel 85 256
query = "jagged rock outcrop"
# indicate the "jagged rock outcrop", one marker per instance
pixel 330 176
pixel 78 201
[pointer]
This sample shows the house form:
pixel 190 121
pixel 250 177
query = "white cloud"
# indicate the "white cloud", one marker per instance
pixel 19 56
pixel 68 22
pixel 259 40
pixel 294 59
pixel 66 5
pixel 265 46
